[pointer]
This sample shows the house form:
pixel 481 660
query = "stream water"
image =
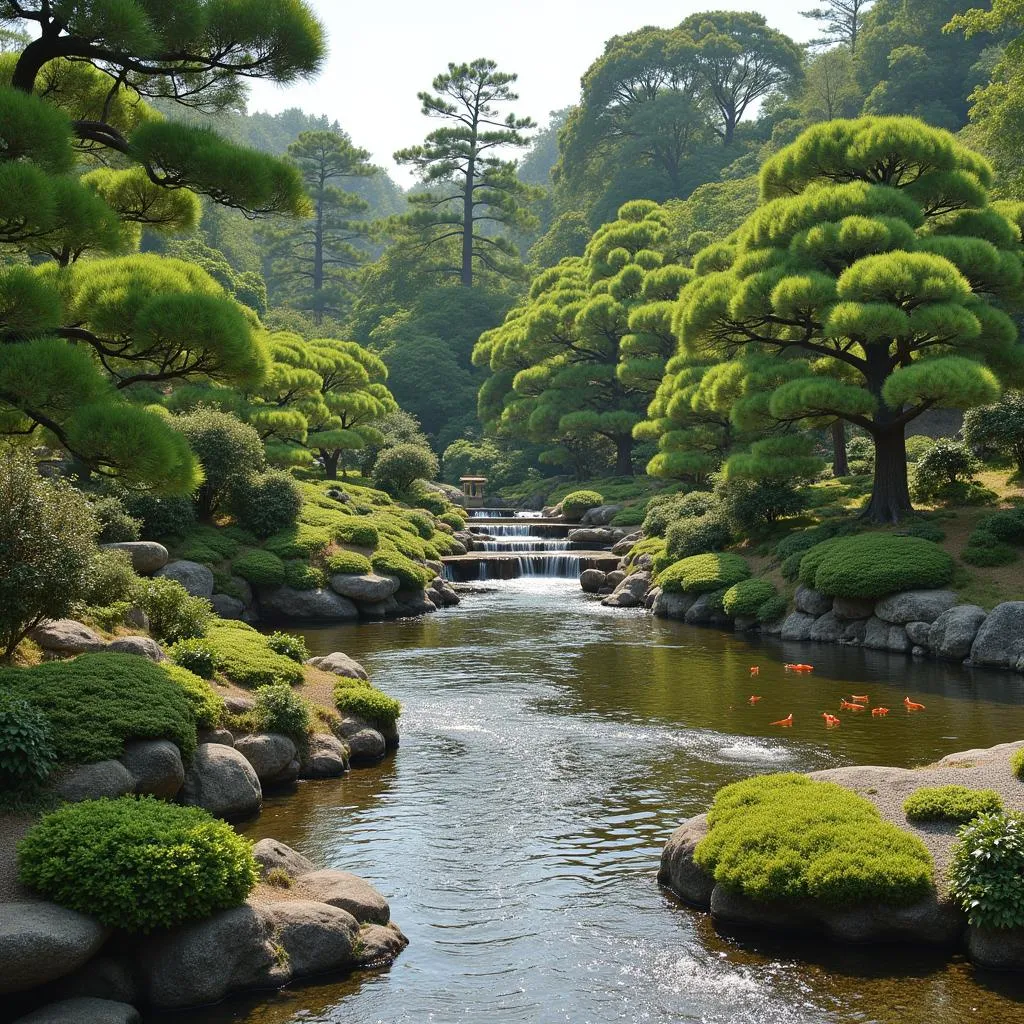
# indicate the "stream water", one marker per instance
pixel 549 748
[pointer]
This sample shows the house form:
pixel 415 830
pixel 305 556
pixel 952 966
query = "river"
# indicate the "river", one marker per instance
pixel 549 748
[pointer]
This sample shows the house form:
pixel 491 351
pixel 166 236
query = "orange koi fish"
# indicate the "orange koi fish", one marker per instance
pixel 831 721
pixel 786 722
pixel 753 700
pixel 755 670
pixel 911 706
pixel 859 700
pixel 845 705
pixel 879 712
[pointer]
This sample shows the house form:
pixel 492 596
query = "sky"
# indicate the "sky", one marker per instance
pixel 383 52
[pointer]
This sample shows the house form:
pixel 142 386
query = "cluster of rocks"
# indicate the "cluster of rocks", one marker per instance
pixel 61 638
pixel 305 922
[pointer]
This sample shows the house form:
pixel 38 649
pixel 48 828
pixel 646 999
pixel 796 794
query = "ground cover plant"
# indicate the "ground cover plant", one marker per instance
pixel 247 657
pixel 702 574
pixel 950 803
pixel 359 698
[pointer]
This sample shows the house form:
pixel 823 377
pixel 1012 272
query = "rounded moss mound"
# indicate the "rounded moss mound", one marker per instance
pixel 787 837
pixel 359 533
pixel 389 562
pixel 746 598
pixel 950 803
pixel 247 658
pixel 701 574
pixel 871 565
pixel 453 519
pixel 358 698
pixel 96 702
pixel 260 568
pixel 137 864
pixel 577 503
pixel 347 563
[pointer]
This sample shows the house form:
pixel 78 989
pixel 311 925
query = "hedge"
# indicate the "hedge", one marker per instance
pixel 787 837
pixel 347 563
pixel 745 599
pixel 260 568
pixel 950 803
pixel 701 574
pixel 579 502
pixel 248 659
pixel 389 562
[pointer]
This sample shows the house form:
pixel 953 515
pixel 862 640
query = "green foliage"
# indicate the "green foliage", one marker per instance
pixel 289 645
pixel 161 516
pixel 940 469
pixel 998 428
pixel 986 550
pixel 265 503
pixel 46 550
pixel 110 578
pixel 986 874
pixel 115 524
pixel 1017 763
pixel 349 563
pixel 773 609
pixel 750 506
pixel 391 562
pixel 137 864
pixel 631 515
pixel 1006 525
pixel 300 575
pixel 422 523
pixel 356 697
pixel 701 574
pixel 745 599
pixel 206 704
pixel 27 754
pixel 261 568
pixel 359 534
pixel 951 803
pixel 577 503
pixel 927 531
pixel 456 520
pixel 98 701
pixel 789 838
pixel 397 468
pixel 872 565
pixel 694 535
pixel 174 614
pixel 919 445
pixel 664 509
pixel 196 655
pixel 278 708
pixel 247 658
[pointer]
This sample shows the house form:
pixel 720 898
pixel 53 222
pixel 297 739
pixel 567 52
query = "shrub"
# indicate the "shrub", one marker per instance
pixel 750 505
pixel 248 659
pixel 290 646
pixel 115 524
pixel 773 609
pixel 196 655
pixel 349 563
pixel 174 614
pixel 366 702
pixel 945 464
pixel 1017 763
pixel 697 534
pixel 576 504
pixel 986 874
pixel 110 578
pixel 206 705
pixel 389 562
pixel 985 549
pixel 701 574
pixel 300 575
pixel 98 701
pixel 453 519
pixel 927 531
pixel 358 533
pixel 860 453
pixel 631 515
pixel 999 428
pixel 950 803
pixel 260 568
pixel 790 567
pixel 137 864
pixel 279 708
pixel 397 468
pixel 27 755
pixel 745 599
pixel 787 837
pixel 665 509
pixel 871 565
pixel 421 523
pixel 265 503
pixel 46 549
pixel 161 517
pixel 917 447
pixel 299 541
pixel 1007 526
pixel 229 450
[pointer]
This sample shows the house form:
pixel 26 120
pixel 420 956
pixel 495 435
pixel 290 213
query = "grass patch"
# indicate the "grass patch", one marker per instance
pixel 950 803
pixel 358 698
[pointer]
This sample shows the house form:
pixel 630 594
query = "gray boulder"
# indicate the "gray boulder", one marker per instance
pixel 915 606
pixel 880 635
pixel 271 854
pixel 811 602
pixel 414 602
pixel 143 646
pixel 829 628
pixel 918 633
pixel 1000 640
pixel 66 636
pixel 347 891
pixel 592 580
pixel 155 766
pixel 365 744
pixel 101 977
pixel 195 577
pixel 147 556
pixel 340 664
pixel 614 578
pixel 227 607
pixel 95 781
pixel 204 961
pixel 244 590
pixel 797 626
pixel 592 536
pixel 952 634
pixel 83 1010
pixel 853 607
pixel 623 547
pixel 221 781
pixel 237 704
pixel 600 516
pixel 703 612
pixel 273 757
pixel 668 605
pixel 222 736
pixel 317 937
pixel 379 944
pixel 630 592
pixel 367 587
pixel 443 594
pixel 678 870
pixel 1000 949
pixel 651 597
pixel 42 941
pixel 314 605
pixel 325 757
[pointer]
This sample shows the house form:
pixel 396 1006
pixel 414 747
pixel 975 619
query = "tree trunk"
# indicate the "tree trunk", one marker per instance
pixel 318 258
pixel 840 465
pixel 467 224
pixel 330 464
pixel 624 456
pixel 890 494
pixel 30 63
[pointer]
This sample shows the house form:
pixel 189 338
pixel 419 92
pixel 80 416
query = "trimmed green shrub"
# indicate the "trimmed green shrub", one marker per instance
pixel 137 864
pixel 366 702
pixel 248 659
pixel 110 578
pixel 389 562
pixel 279 708
pixel 917 447
pixel 161 517
pixel 397 468
pixel 773 609
pixel 701 574
pixel 985 549
pixel 453 519
pixel 871 565
pixel 1017 763
pixel 359 533
pixel 695 535
pixel 1006 525
pixel 174 614
pixel 299 541
pixel 631 515
pixel 197 655
pixel 207 706
pixel 745 599
pixel 665 509
pixel 349 563
pixel 114 521
pixel 301 575
pixel 946 464
pixel 290 646
pixel 27 755
pixel 98 701
pixel 260 568
pixel 265 503
pixel 950 803
pixel 787 837
pixel 927 531
pixel 790 567
pixel 986 874
pixel 422 523
pixel 576 504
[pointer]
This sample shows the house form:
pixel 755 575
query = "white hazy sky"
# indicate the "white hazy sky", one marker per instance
pixel 382 53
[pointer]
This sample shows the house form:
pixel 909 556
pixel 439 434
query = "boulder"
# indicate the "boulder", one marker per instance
pixel 1000 640
pixel 136 618
pixel 204 961
pixel 367 587
pixel 325 757
pixel 227 607
pixel 347 891
pixel 592 580
pixel 271 854
pixel 1000 949
pixel 592 536
pixel 42 941
pixel 95 781
pixel 669 605
pixel 155 766
pixel 221 781
pixel 364 745
pixel 614 578
pixel 705 612
pixel 379 610
pixel 414 602
pixel 811 602
pixel 853 607
pixel 102 977
pixel 624 546
pixel 273 757
pixel 195 577
pixel 313 605
pixel 340 664
pixel 831 629
pixel 630 592
pixel 918 633
pixel 952 634
pixel 238 704
pixel 915 606
pixel 317 937
pixel 602 515
pixel 83 1010
pixel 147 556
pixel 143 646
pixel 66 636
pixel 797 626
pixel 678 870
pixel 880 635
pixel 379 944
pixel 442 593
pixel 244 590
pixel 222 736
pixel 651 597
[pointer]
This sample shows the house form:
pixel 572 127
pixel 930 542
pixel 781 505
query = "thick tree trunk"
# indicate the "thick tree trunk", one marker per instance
pixel 30 62
pixel 890 493
pixel 840 465
pixel 624 456
pixel 331 464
